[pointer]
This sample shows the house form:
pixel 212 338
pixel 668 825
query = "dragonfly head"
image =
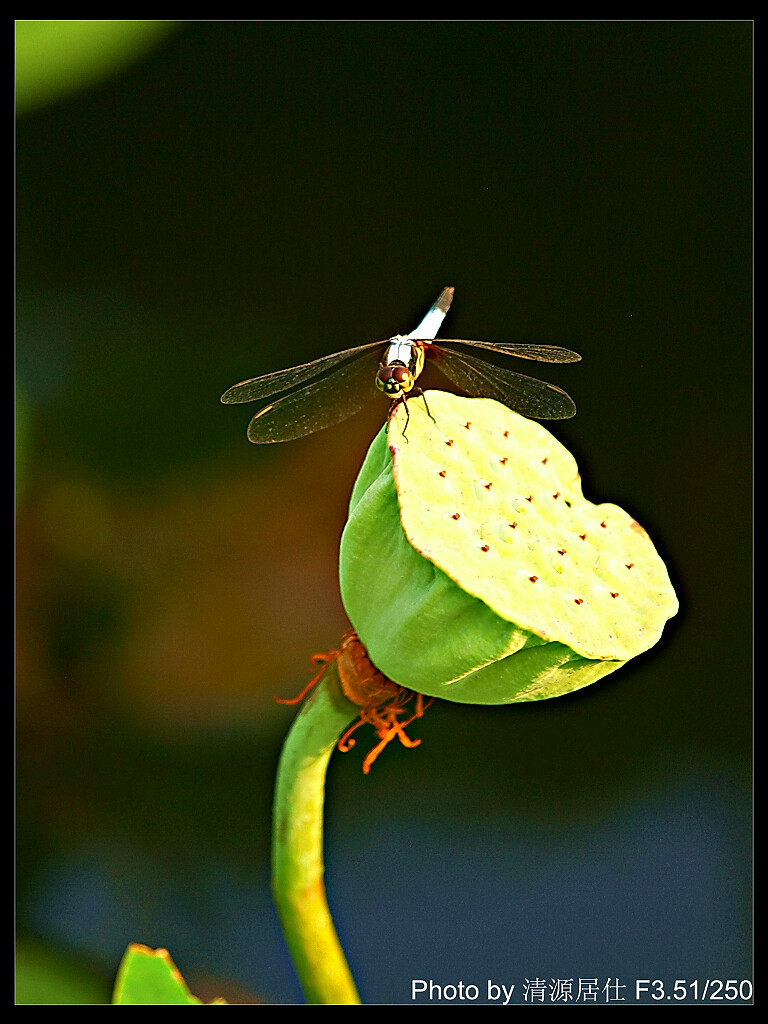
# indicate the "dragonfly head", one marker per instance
pixel 394 379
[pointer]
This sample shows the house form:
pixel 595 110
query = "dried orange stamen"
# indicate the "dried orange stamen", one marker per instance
pixel 381 700
pixel 387 726
pixel 326 660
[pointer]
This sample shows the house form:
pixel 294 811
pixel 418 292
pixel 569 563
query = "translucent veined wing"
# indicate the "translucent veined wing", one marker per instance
pixel 526 395
pixel 320 404
pixel 282 380
pixel 541 353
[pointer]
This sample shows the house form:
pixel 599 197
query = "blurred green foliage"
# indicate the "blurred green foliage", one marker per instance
pixel 44 977
pixel 56 58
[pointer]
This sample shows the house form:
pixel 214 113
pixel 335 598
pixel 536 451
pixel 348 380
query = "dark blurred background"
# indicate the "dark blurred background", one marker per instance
pixel 226 198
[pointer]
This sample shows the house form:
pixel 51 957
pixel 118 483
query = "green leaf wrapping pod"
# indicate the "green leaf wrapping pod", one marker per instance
pixel 473 568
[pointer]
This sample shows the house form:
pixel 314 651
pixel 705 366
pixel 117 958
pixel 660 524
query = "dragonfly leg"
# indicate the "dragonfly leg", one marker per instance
pixel 404 399
pixel 426 406
pixel 393 410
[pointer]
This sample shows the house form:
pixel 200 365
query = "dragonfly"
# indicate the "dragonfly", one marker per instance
pixel 328 390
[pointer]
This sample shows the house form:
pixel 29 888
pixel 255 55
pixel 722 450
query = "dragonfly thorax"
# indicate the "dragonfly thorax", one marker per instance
pixel 402 363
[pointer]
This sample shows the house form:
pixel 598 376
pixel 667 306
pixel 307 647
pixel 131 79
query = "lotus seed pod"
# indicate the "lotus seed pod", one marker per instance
pixel 474 569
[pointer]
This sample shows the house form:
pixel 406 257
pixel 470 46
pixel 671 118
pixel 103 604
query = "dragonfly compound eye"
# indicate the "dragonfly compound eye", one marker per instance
pixel 394 380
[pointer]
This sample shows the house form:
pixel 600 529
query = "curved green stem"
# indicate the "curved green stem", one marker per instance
pixel 297 844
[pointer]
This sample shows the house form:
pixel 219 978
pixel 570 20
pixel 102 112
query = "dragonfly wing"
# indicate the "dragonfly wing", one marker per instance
pixel 282 380
pixel 320 404
pixel 430 325
pixel 541 353
pixel 526 395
